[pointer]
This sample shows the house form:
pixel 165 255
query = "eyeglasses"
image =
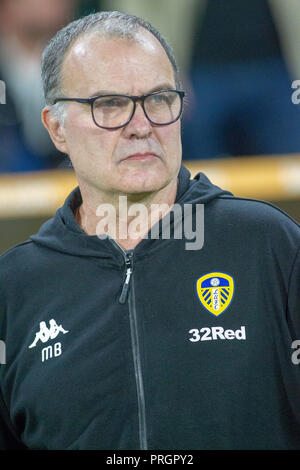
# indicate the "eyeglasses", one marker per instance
pixel 161 108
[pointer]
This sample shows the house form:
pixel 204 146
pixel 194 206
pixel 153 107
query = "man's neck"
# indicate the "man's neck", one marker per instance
pixel 126 218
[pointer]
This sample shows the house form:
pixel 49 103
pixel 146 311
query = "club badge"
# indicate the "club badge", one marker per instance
pixel 215 291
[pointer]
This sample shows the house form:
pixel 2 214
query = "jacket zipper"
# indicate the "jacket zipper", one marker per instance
pixel 138 369
pixel 129 294
pixel 129 267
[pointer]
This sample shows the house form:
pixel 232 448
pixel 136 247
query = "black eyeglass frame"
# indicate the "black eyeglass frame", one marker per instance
pixel 135 99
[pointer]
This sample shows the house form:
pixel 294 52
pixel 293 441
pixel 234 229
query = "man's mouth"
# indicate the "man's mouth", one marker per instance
pixel 141 156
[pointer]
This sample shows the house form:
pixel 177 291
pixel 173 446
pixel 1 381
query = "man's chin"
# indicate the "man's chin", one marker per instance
pixel 142 183
pixel 140 191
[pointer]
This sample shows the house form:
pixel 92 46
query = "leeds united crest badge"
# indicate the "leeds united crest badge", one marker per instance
pixel 215 291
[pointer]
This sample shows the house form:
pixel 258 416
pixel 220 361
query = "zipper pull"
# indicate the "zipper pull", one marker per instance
pixel 125 289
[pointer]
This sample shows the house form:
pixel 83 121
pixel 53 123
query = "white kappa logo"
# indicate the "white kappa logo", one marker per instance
pixel 46 333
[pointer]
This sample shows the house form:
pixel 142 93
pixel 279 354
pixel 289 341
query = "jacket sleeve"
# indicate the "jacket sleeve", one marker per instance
pixel 8 438
pixel 294 301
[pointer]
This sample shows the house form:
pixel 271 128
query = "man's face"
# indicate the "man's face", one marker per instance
pixel 139 157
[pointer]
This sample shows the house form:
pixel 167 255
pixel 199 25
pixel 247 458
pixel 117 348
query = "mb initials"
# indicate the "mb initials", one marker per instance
pixel 53 350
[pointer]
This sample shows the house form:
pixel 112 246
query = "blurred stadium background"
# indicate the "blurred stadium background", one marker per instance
pixel 238 62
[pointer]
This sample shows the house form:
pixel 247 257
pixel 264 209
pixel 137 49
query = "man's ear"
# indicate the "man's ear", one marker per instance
pixel 55 129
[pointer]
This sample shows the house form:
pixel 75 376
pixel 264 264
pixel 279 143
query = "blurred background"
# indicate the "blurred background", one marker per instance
pixel 239 62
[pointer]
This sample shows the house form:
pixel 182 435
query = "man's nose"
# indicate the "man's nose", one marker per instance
pixel 139 126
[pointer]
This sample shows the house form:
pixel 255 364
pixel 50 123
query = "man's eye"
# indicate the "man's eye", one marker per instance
pixel 158 99
pixel 163 98
pixel 110 103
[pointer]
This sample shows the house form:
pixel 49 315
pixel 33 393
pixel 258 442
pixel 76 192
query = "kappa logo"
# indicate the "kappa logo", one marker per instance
pixel 215 291
pixel 46 333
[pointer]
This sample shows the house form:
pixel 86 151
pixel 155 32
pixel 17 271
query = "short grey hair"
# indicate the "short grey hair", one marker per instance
pixel 106 24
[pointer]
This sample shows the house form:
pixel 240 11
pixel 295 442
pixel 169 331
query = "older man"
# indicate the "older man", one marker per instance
pixel 120 334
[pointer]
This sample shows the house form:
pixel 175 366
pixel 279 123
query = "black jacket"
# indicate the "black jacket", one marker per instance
pixel 160 370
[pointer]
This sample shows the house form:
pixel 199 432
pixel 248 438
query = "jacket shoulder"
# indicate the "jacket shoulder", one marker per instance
pixel 251 219
pixel 256 210
pixel 16 251
pixel 17 260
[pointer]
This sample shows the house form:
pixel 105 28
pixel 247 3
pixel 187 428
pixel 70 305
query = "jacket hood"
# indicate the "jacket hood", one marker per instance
pixel 62 232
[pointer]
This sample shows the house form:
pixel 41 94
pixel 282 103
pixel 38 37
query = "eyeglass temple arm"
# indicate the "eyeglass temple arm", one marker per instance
pixel 79 100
